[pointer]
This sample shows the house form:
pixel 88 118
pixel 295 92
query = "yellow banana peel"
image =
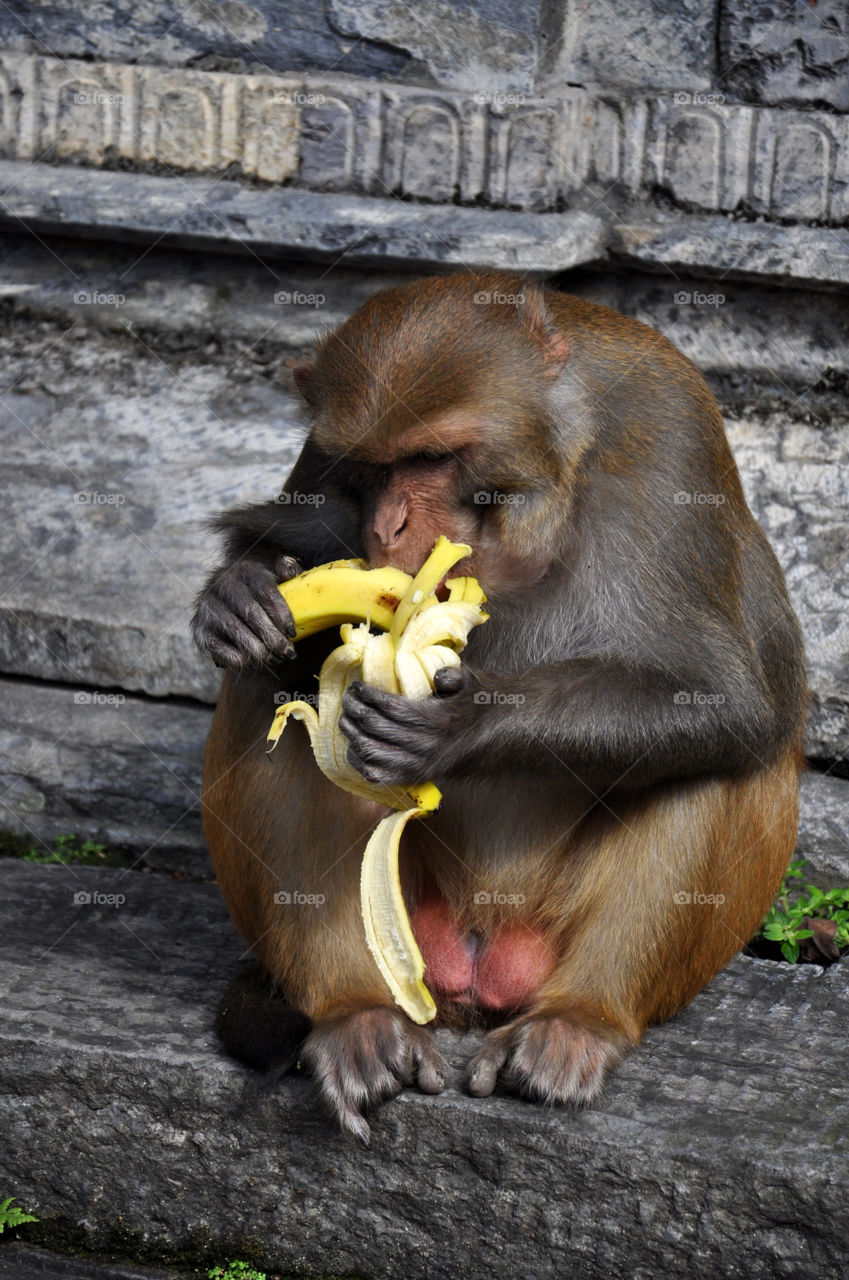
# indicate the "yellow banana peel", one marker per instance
pixel 418 636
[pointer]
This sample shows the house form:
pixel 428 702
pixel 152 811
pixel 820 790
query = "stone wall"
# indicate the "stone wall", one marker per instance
pixel 734 112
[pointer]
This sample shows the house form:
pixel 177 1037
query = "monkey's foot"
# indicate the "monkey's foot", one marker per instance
pixel 551 1059
pixel 366 1057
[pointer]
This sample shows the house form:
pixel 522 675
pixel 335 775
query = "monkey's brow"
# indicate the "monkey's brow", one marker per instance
pixel 364 466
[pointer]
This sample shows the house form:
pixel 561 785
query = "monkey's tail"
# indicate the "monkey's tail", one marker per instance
pixel 257 1026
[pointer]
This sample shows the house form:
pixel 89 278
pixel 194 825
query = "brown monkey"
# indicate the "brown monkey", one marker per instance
pixel 618 754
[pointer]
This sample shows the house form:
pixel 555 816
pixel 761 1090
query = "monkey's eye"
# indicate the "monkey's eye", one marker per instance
pixel 357 477
pixel 430 458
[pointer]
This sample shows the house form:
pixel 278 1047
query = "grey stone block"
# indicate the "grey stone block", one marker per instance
pixel 464 47
pixel 633 45
pixel 824 829
pixel 706 153
pixel 104 538
pixel 284 306
pixel 796 479
pixel 734 330
pixel 108 767
pixel 727 247
pixel 691 1159
pixel 786 53
pixel 241 34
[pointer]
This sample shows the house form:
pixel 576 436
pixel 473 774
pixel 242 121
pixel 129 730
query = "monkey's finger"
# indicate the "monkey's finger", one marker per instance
pixel 451 680
pixel 393 706
pixel 340 1082
pixel 259 603
pixel 391 773
pixel 368 725
pixel 253 617
pixel 351 1119
pixel 380 754
pixel 217 627
pixel 223 654
pixel 286 568
pixel 487 1063
pixel 277 609
pixel 264 589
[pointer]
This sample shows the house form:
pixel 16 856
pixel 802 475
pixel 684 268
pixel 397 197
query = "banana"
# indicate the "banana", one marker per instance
pixel 420 635
pixel 342 591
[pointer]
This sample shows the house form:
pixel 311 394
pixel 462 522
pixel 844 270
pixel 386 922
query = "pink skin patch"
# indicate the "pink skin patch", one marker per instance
pixel 501 974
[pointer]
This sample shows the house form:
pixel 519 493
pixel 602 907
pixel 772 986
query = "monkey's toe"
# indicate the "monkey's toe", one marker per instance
pixel 367 1058
pixel 555 1059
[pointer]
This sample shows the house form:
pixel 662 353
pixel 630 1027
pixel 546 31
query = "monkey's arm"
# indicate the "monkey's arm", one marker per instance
pixel 240 617
pixel 603 722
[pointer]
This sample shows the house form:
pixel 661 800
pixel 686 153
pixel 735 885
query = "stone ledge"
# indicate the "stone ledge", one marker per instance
pixel 722 247
pixel 717 1147
pixel 350 230
pixel 20 1261
pixel 328 227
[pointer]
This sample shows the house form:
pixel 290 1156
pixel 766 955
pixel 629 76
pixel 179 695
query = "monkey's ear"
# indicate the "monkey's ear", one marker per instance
pixel 554 343
pixel 303 377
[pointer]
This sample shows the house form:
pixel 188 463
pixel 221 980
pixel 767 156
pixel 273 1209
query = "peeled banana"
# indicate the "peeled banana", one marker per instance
pixel 419 636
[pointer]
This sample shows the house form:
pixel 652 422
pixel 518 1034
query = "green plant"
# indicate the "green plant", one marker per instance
pixel 785 921
pixel 236 1271
pixel 12 1216
pixel 64 849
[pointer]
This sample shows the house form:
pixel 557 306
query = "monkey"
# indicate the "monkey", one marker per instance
pixel 618 752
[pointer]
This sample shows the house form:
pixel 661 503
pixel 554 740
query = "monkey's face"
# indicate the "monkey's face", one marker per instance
pixel 407 502
pixel 434 413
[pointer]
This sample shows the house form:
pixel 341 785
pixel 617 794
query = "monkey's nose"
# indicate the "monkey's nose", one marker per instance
pixel 390 522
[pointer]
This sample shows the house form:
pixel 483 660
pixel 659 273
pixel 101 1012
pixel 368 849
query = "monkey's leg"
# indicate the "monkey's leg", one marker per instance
pixel 660 898
pixel 287 847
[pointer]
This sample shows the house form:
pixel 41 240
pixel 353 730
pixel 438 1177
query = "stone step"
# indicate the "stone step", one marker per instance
pixel 20 1261
pixel 727 327
pixel 127 773
pixel 724 246
pixel 120 770
pixel 286 305
pixel 123 1122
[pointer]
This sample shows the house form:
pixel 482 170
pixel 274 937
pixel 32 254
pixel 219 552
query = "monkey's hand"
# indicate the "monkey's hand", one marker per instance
pixel 367 1057
pixel 551 1058
pixel 398 741
pixel 241 619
